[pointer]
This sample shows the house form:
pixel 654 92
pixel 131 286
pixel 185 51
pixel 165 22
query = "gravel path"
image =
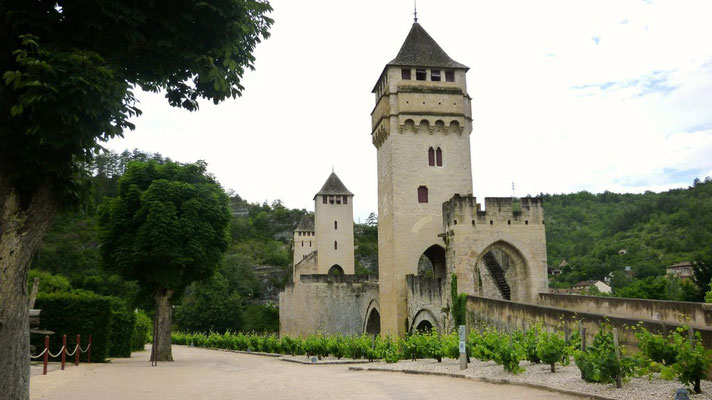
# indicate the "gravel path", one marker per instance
pixel 566 378
pixel 207 374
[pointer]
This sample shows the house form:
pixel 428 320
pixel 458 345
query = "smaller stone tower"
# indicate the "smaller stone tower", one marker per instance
pixel 334 227
pixel 304 241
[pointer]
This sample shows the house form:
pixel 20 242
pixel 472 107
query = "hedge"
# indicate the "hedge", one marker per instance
pixel 142 331
pixel 107 319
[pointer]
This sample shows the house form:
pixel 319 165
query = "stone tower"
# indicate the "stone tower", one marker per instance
pixel 421 128
pixel 304 241
pixel 334 227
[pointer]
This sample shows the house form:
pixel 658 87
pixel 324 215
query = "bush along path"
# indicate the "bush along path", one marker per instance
pixel 679 355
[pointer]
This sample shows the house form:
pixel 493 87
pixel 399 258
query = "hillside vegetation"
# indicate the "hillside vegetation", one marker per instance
pixel 587 230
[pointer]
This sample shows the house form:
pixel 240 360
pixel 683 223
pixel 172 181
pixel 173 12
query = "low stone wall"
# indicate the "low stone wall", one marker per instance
pixel 674 312
pixel 511 315
pixel 328 304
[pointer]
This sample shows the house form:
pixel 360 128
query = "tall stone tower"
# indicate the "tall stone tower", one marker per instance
pixel 304 241
pixel 421 127
pixel 334 227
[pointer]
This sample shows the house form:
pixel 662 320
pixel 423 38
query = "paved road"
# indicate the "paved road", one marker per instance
pixel 210 374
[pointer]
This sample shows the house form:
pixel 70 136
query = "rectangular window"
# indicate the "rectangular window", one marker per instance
pixel 405 73
pixel 422 194
pixel 338 199
pixel 324 198
pixel 435 75
pixel 346 199
pixel 421 74
pixel 449 76
pixel 331 199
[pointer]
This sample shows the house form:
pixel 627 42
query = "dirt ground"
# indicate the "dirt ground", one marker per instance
pixel 210 374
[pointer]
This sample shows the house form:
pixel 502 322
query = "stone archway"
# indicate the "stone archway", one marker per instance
pixel 432 262
pixel 336 270
pixel 424 319
pixel 502 272
pixel 372 319
pixel 373 323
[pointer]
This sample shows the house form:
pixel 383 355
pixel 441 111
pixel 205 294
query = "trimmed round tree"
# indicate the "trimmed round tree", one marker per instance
pixel 167 228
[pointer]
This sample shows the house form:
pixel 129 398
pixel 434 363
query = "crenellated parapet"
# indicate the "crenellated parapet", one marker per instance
pixel 498 211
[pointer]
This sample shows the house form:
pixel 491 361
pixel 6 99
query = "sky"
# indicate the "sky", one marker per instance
pixel 567 96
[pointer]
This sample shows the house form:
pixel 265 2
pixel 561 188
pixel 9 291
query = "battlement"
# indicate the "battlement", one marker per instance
pixel 327 278
pixel 498 211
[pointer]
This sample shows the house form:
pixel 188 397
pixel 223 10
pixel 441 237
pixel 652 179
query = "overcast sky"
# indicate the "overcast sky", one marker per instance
pixel 567 96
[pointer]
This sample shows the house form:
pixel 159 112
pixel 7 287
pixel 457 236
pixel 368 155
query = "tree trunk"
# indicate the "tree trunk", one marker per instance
pixel 22 227
pixel 553 367
pixel 164 321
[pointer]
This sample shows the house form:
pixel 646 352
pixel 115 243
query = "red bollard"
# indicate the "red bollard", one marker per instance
pixel 89 350
pixel 46 355
pixel 76 357
pixel 64 350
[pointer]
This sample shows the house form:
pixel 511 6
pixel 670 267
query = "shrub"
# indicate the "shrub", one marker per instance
pixel 529 344
pixel 656 347
pixel 76 313
pixel 599 363
pixel 142 331
pixel 122 328
pixel 693 360
pixel 551 348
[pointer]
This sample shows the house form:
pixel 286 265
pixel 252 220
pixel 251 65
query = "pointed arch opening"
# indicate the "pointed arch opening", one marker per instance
pixel 500 268
pixel 373 323
pixel 336 270
pixel 432 262
pixel 431 157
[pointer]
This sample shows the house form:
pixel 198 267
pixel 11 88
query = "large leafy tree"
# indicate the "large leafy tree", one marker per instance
pixel 68 69
pixel 167 228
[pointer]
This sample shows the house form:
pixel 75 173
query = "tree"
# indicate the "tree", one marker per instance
pixel 167 228
pixel 68 70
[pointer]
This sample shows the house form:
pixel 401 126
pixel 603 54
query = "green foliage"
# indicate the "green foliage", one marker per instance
pixel 530 343
pixel 72 314
pixel 656 347
pixel 693 360
pixel 459 303
pixel 708 295
pixel 142 331
pixel 656 229
pixel 66 84
pixel 167 227
pixel 49 283
pixel 122 329
pixel 551 348
pixel 598 363
pixel 209 306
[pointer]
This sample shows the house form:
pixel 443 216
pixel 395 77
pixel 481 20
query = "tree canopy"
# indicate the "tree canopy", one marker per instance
pixel 167 227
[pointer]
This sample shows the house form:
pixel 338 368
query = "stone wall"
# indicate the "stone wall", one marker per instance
pixel 512 315
pixel 472 232
pixel 306 266
pixel 427 301
pixel 328 304
pixel 676 312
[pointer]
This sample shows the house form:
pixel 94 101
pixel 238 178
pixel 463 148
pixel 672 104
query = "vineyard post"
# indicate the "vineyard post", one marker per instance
pixel 582 333
pixel 619 382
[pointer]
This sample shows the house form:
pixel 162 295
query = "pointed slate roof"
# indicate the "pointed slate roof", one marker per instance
pixel 333 186
pixel 306 224
pixel 421 50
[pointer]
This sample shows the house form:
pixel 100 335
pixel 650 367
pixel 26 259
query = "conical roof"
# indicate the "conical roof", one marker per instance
pixel 306 224
pixel 333 186
pixel 421 50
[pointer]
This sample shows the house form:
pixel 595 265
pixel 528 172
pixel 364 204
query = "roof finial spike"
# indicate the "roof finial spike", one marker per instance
pixel 415 11
pixel 332 168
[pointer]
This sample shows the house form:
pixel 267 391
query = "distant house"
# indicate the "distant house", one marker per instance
pixel 622 252
pixel 554 271
pixel 682 270
pixel 563 264
pixel 585 286
pixel 560 290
